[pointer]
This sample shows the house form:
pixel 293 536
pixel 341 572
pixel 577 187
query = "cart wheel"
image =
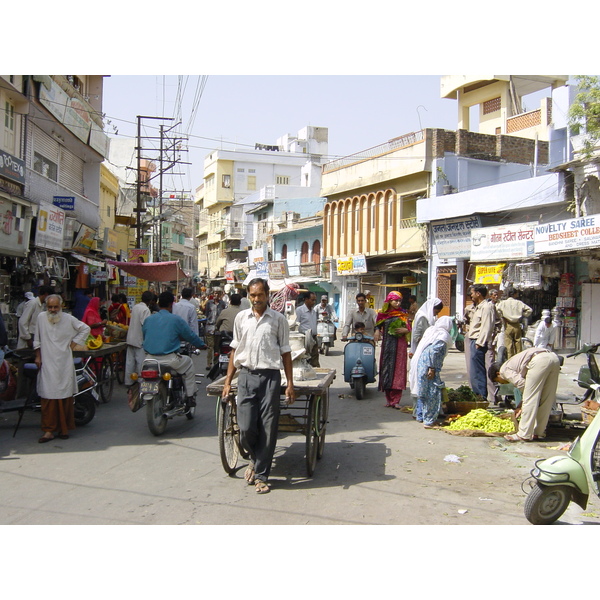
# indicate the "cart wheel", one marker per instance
pixel 312 437
pixel 119 366
pixel 229 435
pixel 105 379
pixel 323 416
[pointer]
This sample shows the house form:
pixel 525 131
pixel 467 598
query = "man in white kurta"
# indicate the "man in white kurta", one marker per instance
pixel 28 319
pixel 55 335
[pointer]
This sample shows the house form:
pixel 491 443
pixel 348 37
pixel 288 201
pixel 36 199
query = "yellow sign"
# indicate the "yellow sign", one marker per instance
pixel 489 274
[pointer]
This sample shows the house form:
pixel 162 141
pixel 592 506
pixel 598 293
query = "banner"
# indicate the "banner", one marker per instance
pixel 502 242
pixel 489 274
pixel 453 236
pixel 351 265
pixel 569 234
pixel 278 269
pixel 50 225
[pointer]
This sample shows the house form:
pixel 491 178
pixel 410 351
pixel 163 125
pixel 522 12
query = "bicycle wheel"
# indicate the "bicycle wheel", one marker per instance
pixel 312 438
pixel 229 435
pixel 105 379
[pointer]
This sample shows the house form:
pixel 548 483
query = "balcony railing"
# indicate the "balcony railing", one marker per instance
pixel 396 144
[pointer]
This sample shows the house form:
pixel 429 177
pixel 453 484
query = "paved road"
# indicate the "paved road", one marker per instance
pixel 379 467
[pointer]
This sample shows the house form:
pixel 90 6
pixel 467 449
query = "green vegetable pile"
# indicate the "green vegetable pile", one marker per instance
pixel 482 420
pixel 463 394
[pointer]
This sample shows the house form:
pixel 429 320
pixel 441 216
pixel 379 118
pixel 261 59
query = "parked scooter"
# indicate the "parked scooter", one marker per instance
pixel 359 363
pixel 27 398
pixel 325 333
pixel 161 389
pixel 459 340
pixel 562 479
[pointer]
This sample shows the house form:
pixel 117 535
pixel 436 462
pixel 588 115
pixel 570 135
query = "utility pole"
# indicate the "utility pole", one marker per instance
pixel 139 209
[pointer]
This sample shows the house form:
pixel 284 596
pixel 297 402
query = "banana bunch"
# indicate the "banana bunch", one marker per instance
pixel 93 343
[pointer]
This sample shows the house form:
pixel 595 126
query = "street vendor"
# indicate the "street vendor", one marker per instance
pixel 535 372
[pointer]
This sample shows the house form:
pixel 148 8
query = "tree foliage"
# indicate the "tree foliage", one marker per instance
pixel 584 113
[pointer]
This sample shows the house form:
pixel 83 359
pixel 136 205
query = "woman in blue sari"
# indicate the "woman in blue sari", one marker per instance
pixel 426 365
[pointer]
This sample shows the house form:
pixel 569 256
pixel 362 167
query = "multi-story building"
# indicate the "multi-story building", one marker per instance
pixel 240 186
pixel 52 146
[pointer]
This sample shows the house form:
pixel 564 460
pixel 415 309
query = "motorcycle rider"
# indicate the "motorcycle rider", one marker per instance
pixel 163 333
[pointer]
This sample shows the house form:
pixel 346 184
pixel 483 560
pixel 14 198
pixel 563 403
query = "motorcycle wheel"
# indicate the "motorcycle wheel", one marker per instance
pixel 325 349
pixel 155 408
pixel 526 343
pixel 546 503
pixel 191 413
pixel 460 345
pixel 85 409
pixel 359 388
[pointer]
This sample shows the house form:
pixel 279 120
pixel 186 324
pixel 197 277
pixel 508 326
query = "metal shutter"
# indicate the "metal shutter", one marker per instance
pixel 71 171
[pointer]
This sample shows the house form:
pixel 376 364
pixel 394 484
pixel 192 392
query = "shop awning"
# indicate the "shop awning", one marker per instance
pixel 87 259
pixel 158 271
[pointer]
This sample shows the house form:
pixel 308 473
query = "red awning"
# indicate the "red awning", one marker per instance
pixel 158 271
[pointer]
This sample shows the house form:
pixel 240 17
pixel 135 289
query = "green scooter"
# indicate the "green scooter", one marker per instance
pixel 562 479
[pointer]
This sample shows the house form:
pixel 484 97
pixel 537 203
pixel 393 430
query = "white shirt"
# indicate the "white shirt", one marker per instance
pixel 260 343
pixel 135 337
pixel 187 311
pixel 57 378
pixel 28 320
pixel 544 336
pixel 307 319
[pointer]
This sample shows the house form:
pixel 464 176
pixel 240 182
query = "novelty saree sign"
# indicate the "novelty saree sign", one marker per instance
pixel 570 234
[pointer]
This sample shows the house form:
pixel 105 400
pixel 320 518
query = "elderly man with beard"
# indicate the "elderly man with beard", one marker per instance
pixel 57 334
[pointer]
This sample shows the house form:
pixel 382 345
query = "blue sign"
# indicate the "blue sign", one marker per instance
pixel 64 202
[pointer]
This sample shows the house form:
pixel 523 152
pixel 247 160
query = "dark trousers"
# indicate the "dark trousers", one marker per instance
pixel 258 416
pixel 477 370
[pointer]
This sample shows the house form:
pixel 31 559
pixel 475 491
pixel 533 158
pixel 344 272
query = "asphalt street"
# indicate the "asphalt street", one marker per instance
pixel 379 467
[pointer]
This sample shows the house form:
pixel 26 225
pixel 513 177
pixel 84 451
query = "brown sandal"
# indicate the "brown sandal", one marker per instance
pixel 249 474
pixel 260 487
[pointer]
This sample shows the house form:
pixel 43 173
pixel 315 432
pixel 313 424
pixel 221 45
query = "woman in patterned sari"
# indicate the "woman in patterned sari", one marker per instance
pixel 393 322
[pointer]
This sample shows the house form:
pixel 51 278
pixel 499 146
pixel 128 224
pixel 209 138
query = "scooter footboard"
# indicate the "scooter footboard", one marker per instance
pixel 563 470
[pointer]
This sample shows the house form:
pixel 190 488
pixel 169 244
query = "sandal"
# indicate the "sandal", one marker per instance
pixel 45 439
pixel 261 487
pixel 249 475
pixel 515 438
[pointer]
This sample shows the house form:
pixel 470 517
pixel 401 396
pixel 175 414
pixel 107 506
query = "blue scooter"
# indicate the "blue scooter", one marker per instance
pixel 359 363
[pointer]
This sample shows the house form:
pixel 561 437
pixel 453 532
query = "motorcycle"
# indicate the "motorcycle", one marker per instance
pixel 26 398
pixel 222 352
pixel 162 391
pixel 325 333
pixel 561 479
pixel 359 364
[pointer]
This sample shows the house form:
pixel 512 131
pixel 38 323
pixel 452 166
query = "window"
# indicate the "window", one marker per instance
pixel 282 180
pixel 284 252
pixel 9 116
pixel 251 170
pixel 304 253
pixel 316 252
pixel 490 106
pixel 226 181
pixel 240 170
pixel 45 167
pixel 251 182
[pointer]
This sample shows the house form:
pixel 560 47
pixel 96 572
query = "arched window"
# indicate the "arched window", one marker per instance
pixel 284 252
pixel 304 253
pixel 316 252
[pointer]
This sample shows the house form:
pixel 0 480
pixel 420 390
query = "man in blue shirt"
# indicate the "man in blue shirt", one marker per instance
pixel 163 332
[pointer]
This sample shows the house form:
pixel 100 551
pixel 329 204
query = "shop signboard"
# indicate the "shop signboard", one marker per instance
pixel 97 276
pixel 570 234
pixel 11 167
pixel 111 242
pixel 50 227
pixel 85 239
pixel 278 269
pixel 229 277
pixel 453 236
pixel 489 274
pixel 14 228
pixel 310 270
pixel 257 259
pixel 351 265
pixel 64 202
pixel 502 242
pixel 138 255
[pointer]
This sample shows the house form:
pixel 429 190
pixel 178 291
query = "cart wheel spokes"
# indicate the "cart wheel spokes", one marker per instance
pixel 312 435
pixel 229 435
pixel 105 379
pixel 323 413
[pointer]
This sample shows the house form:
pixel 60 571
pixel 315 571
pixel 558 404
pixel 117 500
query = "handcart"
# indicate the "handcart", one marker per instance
pixel 105 369
pixel 307 415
